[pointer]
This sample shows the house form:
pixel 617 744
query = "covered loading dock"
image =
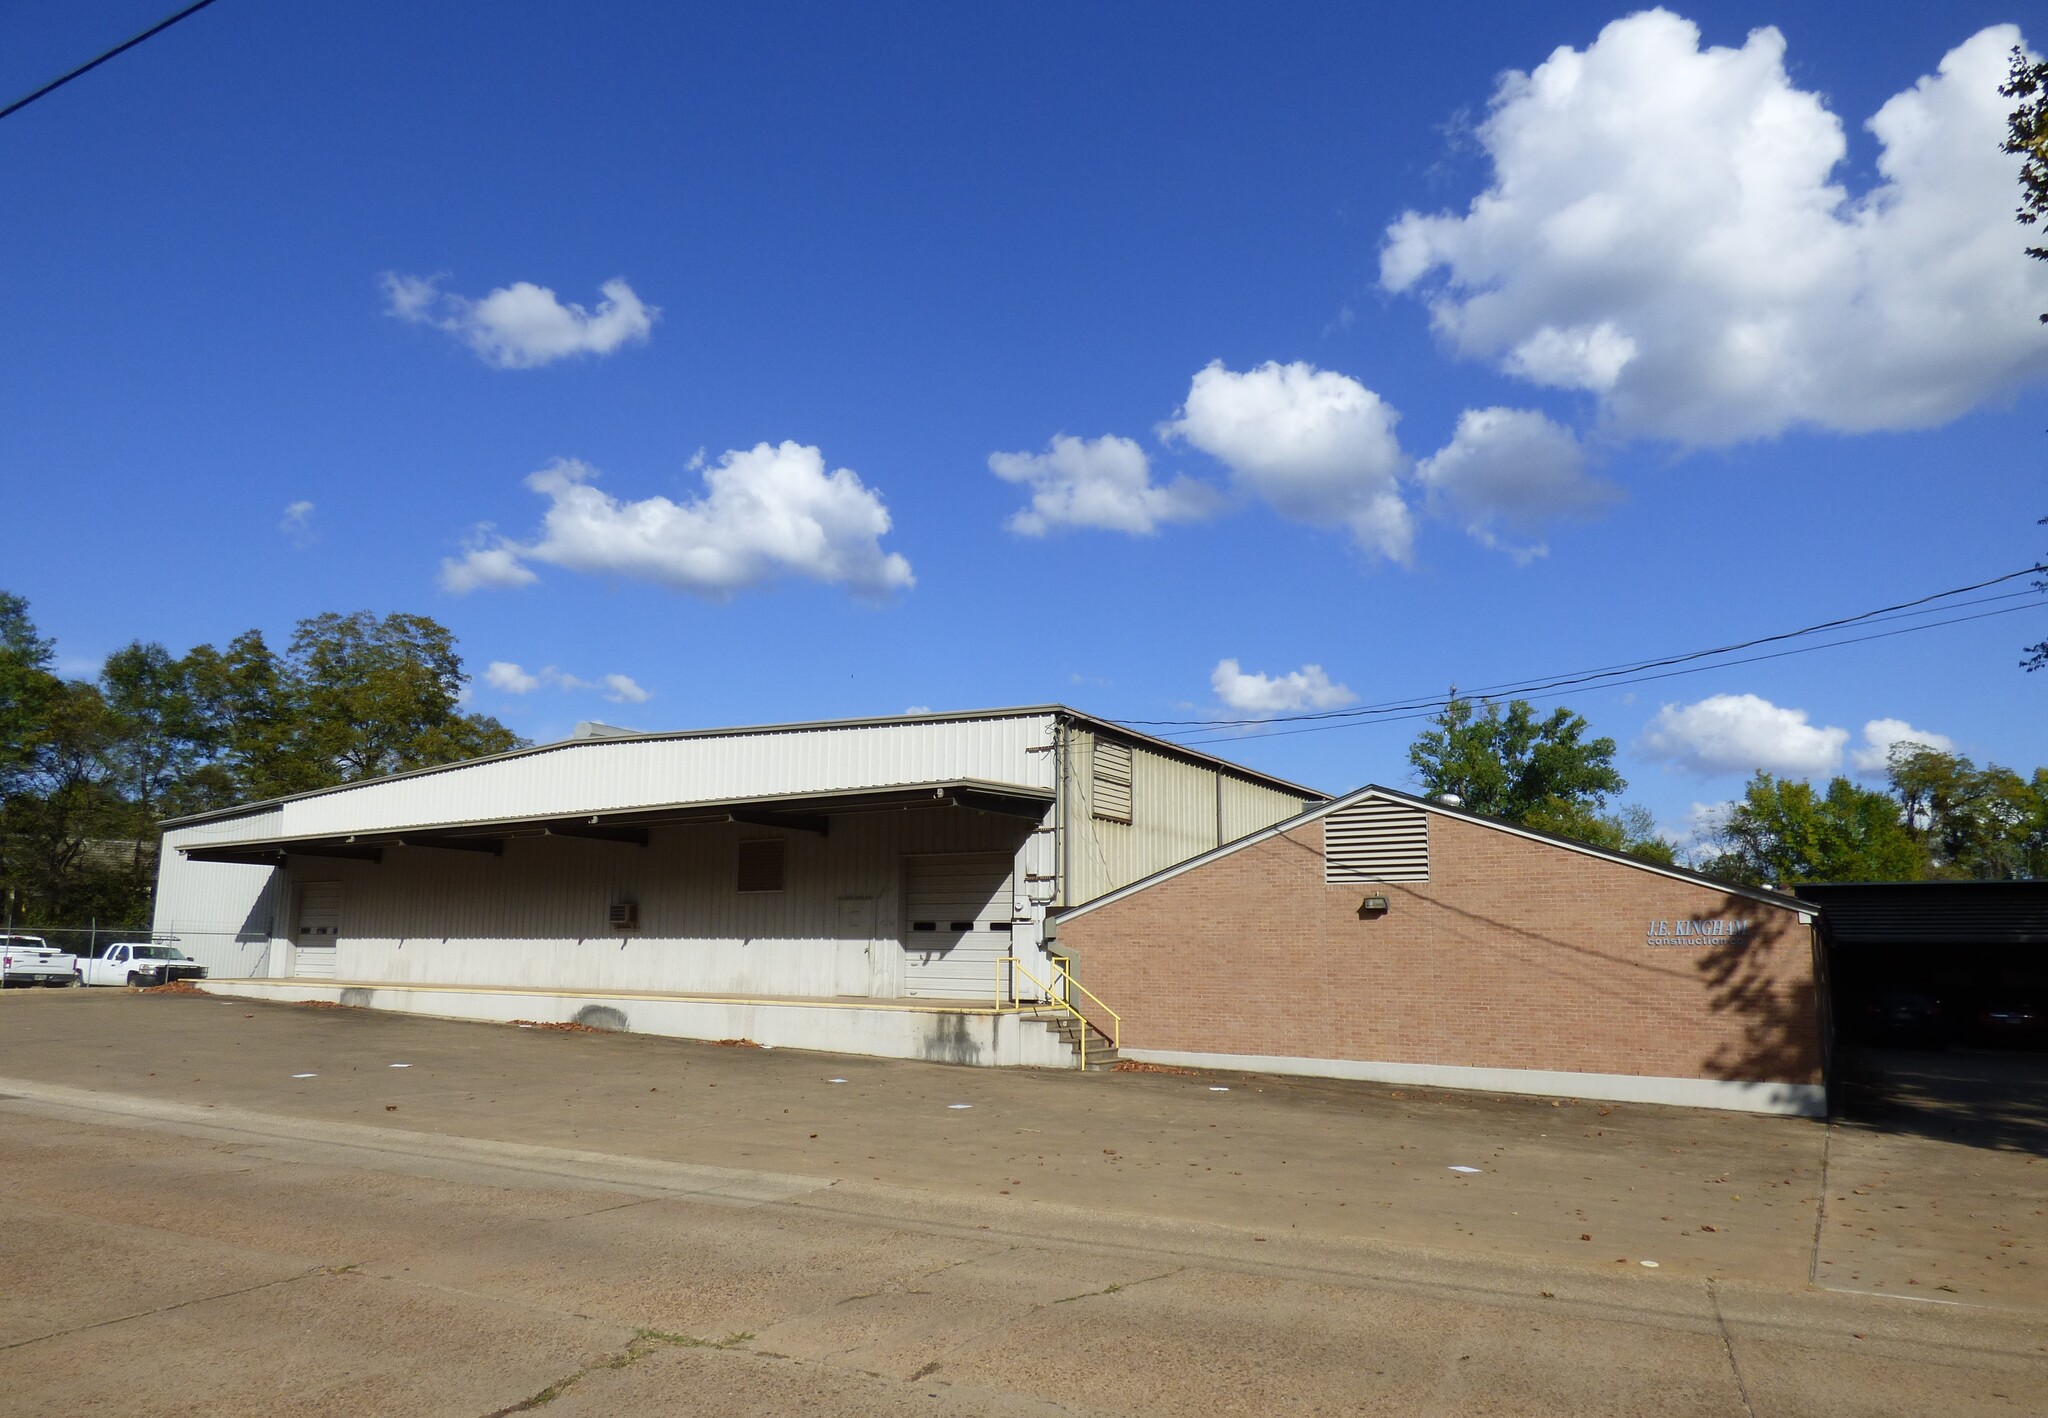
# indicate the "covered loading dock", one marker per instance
pixel 845 884
pixel 1384 936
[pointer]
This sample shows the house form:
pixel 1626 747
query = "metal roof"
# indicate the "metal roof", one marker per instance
pixel 803 812
pixel 1866 914
pixel 1158 745
pixel 1374 790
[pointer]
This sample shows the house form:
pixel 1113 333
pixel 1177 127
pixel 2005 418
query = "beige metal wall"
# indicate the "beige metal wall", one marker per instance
pixel 537 916
pixel 1178 809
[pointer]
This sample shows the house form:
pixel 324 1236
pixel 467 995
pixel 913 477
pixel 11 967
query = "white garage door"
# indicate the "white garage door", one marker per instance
pixel 319 926
pixel 958 926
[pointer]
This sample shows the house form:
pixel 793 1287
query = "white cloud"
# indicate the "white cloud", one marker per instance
pixel 1260 694
pixel 1881 735
pixel 486 564
pixel 1316 445
pixel 1098 482
pixel 523 326
pixel 298 524
pixel 1741 733
pixel 511 678
pixel 621 689
pixel 1666 229
pixel 769 511
pixel 514 679
pixel 1512 470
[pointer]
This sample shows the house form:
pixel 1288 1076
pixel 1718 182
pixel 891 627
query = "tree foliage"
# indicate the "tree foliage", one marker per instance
pixel 1543 773
pixel 2027 139
pixel 1783 832
pixel 87 769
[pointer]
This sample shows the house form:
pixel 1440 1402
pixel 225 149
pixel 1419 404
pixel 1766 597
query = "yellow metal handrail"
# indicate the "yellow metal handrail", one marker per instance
pixel 1059 999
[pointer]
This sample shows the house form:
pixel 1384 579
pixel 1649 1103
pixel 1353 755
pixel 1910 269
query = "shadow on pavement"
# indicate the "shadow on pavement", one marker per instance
pixel 1978 1098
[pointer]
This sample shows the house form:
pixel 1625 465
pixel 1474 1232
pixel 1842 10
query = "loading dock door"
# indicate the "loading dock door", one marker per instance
pixel 318 927
pixel 957 929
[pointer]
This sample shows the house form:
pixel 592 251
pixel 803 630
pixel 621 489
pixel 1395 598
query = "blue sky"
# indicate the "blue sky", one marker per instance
pixel 1644 398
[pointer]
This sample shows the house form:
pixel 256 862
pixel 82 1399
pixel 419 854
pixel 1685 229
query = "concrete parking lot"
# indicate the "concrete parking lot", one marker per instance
pixel 222 1207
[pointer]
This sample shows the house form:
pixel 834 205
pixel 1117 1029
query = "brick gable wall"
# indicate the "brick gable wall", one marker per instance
pixel 1515 954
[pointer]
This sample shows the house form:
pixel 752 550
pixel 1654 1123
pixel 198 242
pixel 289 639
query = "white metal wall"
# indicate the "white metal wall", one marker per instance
pixel 606 775
pixel 222 915
pixel 536 917
pixel 1178 809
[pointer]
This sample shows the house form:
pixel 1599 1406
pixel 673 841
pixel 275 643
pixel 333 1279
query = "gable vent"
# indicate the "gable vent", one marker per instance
pixel 1376 841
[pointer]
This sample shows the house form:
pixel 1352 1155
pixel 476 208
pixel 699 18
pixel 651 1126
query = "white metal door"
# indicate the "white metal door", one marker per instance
pixel 856 966
pixel 957 926
pixel 319 926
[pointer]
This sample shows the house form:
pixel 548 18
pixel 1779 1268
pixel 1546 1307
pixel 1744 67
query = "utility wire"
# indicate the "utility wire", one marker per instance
pixel 91 64
pixel 1423 709
pixel 1611 672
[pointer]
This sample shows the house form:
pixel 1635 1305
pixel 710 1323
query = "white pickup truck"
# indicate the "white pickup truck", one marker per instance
pixel 31 960
pixel 139 964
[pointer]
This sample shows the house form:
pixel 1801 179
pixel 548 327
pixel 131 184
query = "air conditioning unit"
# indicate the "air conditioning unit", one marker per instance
pixel 625 915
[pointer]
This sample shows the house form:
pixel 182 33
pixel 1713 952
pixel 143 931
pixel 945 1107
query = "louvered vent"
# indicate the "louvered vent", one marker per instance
pixel 760 865
pixel 1112 781
pixel 625 915
pixel 1376 841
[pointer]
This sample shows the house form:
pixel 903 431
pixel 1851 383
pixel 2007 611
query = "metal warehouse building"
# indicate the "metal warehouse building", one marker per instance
pixel 1383 936
pixel 877 886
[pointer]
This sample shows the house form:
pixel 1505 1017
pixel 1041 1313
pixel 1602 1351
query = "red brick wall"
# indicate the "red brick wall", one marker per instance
pixel 1515 954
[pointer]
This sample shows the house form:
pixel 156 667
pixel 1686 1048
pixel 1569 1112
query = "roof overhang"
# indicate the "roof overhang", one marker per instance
pixel 800 812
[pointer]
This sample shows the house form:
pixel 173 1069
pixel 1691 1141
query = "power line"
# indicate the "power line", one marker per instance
pixel 1611 672
pixel 1423 709
pixel 122 48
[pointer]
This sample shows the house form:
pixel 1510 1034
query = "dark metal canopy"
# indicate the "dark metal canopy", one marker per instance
pixel 1871 915
pixel 807 812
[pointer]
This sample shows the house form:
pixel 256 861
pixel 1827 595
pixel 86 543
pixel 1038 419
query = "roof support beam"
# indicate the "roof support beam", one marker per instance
pixel 373 855
pixel 495 846
pixel 632 836
pixel 794 821
pixel 1030 808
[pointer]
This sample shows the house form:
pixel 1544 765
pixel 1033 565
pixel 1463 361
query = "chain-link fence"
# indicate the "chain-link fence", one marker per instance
pixel 89 939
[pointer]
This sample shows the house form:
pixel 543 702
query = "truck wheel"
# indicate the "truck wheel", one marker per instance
pixel 135 979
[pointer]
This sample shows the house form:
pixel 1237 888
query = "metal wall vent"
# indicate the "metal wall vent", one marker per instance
pixel 760 865
pixel 1111 793
pixel 1376 841
pixel 625 915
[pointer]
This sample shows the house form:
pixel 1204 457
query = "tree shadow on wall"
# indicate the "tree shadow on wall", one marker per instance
pixel 1745 950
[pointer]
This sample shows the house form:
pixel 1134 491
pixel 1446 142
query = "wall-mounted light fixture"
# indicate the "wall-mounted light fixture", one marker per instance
pixel 1372 906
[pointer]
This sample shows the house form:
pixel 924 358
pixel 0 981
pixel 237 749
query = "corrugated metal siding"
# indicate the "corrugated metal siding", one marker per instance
pixel 538 916
pixel 1177 808
pixel 1248 807
pixel 221 914
pixel 610 775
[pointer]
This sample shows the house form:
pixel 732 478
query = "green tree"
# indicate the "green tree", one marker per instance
pixel 354 697
pixel 66 822
pixel 1783 833
pixel 1975 824
pixel 2026 138
pixel 26 686
pixel 1543 773
pixel 1630 829
pixel 164 742
pixel 1507 763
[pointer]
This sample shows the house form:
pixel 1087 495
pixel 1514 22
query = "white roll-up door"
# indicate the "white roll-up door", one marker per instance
pixel 957 928
pixel 317 929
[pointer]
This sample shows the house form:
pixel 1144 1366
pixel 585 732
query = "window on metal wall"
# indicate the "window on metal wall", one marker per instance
pixel 1111 793
pixel 760 865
